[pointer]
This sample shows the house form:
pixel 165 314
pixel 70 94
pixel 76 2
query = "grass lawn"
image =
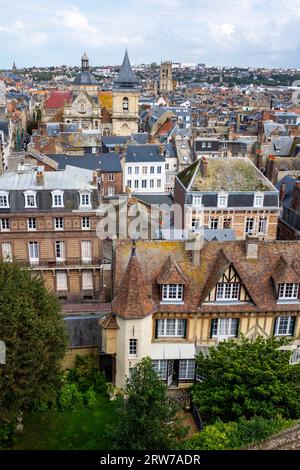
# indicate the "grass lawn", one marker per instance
pixel 80 429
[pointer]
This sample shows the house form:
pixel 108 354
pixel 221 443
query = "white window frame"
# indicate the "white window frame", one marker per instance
pixel 85 199
pixel 224 328
pixel 111 190
pixel 5 224
pixel 225 291
pixel 160 366
pixel 187 369
pixel 86 254
pixel 29 228
pixel 158 183
pixel 222 200
pixel 278 326
pixel 258 200
pixel 247 231
pixel 60 248
pixel 129 184
pixel 111 177
pixel 58 226
pixel 57 194
pixel 293 288
pixel 28 194
pixel 133 347
pixel 212 221
pixel 7 254
pixel 61 286
pixel 85 223
pixel 35 251
pixel 4 199
pixel 158 169
pixel 197 200
pixel 171 327
pixel 172 293
pixel 129 170
pixel 87 280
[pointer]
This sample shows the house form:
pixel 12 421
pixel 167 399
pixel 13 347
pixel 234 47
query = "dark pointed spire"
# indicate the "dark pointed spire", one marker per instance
pixel 126 78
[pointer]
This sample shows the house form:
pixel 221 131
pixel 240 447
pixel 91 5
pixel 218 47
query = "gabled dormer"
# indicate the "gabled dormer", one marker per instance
pixel 172 282
pixel 225 284
pixel 286 281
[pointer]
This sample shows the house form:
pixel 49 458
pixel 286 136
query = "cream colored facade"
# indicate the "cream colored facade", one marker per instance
pixel 125 119
pixel 84 111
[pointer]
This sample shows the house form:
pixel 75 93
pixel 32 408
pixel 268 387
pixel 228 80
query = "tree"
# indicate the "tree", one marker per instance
pixel 35 337
pixel 146 418
pixel 248 378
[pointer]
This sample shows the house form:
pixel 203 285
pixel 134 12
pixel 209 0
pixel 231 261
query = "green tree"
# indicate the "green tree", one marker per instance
pixel 35 336
pixel 147 420
pixel 248 378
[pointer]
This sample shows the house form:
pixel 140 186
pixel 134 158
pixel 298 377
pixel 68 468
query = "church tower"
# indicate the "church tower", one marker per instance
pixel 165 81
pixel 125 115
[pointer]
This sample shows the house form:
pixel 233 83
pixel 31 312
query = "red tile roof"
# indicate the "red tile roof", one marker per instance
pixel 57 99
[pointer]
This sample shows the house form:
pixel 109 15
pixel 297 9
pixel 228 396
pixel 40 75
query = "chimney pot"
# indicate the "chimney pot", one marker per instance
pixel 40 177
pixel 251 248
pixel 204 165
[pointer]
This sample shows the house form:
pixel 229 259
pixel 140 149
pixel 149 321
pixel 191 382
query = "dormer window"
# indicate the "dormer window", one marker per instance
pixel 222 200
pixel 258 200
pixel 57 198
pixel 228 291
pixel 172 292
pixel 288 291
pixel 197 201
pixel 85 199
pixel 30 199
pixel 4 202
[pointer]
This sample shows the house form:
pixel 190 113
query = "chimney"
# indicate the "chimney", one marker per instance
pixel 251 247
pixel 94 177
pixel 259 159
pixel 282 191
pixel 296 197
pixel 161 149
pixel 270 171
pixel 203 166
pixel 40 177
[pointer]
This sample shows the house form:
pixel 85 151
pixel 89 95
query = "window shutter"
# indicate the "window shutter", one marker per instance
pixel 156 328
pixel 235 328
pixel 185 328
pixel 213 325
pixel 275 325
pixel 292 326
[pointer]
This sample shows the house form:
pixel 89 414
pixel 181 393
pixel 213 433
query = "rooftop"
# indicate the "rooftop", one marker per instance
pixel 225 174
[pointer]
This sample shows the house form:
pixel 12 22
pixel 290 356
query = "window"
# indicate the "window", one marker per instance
pixel 31 223
pixel 60 251
pixel 61 280
pixel 167 166
pixel 197 201
pixel 187 369
pixel 136 184
pixel 160 367
pixel 144 183
pixel 57 198
pixel 258 200
pixel 136 170
pixel 4 225
pixel 111 177
pixel 228 291
pixel 129 183
pixel 250 225
pixel 158 183
pixel 284 326
pixel 58 223
pixel 87 280
pixel 144 170
pixel 222 200
pixel 227 222
pixel 85 223
pixel 214 223
pixel 223 328
pixel 125 104
pixel 111 190
pixel 152 170
pixel 33 252
pixel 86 251
pixel 129 170
pixel 133 347
pixel 4 199
pixel 203 145
pixel 85 199
pixel 288 291
pixel 7 251
pixel 172 292
pixel 224 145
pixel 262 225
pixel 171 327
pixel 82 108
pixel 195 223
pixel 30 199
pixel 158 169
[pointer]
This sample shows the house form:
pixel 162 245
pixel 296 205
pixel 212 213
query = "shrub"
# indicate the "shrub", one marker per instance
pixel 70 397
pixel 7 434
pixel 90 397
pixel 213 437
pixel 86 376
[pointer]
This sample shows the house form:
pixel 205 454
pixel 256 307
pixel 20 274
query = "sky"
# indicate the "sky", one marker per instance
pixel 262 33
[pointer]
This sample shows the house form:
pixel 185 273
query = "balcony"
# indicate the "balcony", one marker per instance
pixel 73 263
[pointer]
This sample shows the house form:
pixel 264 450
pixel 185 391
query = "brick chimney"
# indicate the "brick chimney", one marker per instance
pixel 161 149
pixel 204 167
pixel 296 197
pixel 251 247
pixel 271 170
pixel 259 159
pixel 94 177
pixel 282 191
pixel 40 177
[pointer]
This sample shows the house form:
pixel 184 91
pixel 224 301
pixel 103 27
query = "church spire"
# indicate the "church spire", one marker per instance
pixel 85 63
pixel 126 78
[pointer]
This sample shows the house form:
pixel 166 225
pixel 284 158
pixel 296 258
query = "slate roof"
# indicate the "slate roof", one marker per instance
pixel 289 182
pixel 151 257
pixel 126 78
pixel 109 162
pixel 143 153
pixel 4 127
pixel 57 99
pixel 85 78
pixel 84 331
pixel 150 199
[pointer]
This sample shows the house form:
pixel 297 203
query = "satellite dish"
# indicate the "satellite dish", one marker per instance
pixel 2 353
